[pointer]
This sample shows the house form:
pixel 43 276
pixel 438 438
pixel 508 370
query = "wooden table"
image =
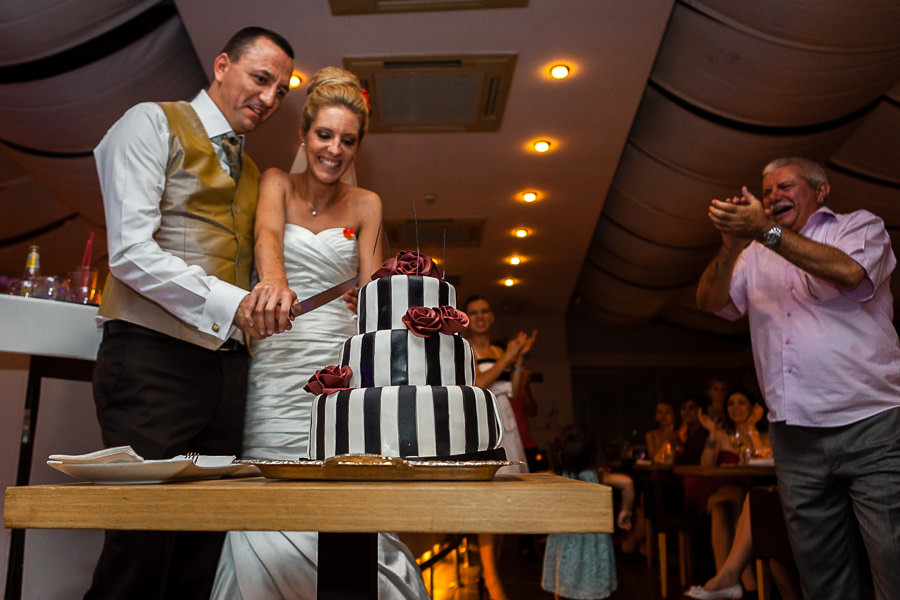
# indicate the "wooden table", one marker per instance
pixel 726 470
pixel 526 503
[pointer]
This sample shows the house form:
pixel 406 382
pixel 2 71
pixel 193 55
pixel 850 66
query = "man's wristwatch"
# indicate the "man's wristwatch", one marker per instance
pixel 772 236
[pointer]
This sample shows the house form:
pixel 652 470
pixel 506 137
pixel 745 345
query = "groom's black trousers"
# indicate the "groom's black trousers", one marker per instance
pixel 164 397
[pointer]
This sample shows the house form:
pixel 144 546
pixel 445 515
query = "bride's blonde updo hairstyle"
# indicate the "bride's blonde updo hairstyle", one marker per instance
pixel 332 86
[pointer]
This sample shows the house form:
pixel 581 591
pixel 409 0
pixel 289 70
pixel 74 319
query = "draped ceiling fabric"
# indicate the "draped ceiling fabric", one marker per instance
pixel 736 84
pixel 65 76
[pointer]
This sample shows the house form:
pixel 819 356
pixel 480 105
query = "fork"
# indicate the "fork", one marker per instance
pixel 192 456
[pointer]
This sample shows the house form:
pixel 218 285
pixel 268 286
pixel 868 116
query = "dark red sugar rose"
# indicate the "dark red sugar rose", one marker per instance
pixel 422 321
pixel 408 263
pixel 329 380
pixel 452 320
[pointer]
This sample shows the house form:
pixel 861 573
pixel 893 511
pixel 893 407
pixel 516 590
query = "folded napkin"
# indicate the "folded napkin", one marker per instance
pixel 125 454
pixel 119 454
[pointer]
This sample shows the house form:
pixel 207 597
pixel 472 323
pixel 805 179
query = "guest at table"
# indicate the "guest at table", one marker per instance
pixel 816 286
pixel 171 370
pixel 716 395
pixel 661 442
pixel 661 448
pixel 726 583
pixel 725 495
pixel 692 435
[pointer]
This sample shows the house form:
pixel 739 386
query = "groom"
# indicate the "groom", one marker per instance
pixel 171 371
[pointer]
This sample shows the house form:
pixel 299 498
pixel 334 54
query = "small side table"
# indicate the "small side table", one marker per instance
pixel 61 339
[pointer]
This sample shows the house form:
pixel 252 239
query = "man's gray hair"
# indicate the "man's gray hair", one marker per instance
pixel 811 171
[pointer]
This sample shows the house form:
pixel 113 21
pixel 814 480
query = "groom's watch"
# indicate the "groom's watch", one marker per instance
pixel 772 237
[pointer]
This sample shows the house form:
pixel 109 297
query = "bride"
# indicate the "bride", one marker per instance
pixel 313 231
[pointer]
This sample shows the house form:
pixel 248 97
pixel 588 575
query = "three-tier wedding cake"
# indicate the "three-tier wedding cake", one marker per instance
pixel 405 383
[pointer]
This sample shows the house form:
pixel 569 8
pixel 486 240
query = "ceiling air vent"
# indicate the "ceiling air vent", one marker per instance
pixel 464 92
pixel 433 234
pixel 371 7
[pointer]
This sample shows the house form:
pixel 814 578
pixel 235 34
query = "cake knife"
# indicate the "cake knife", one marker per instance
pixel 323 297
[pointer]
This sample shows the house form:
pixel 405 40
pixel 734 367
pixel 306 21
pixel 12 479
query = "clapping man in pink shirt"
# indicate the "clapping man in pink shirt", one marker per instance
pixel 816 287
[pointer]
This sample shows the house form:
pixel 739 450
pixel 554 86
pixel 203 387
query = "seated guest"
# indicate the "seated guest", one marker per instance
pixel 661 445
pixel 716 394
pixel 725 495
pixel 661 441
pixel 692 435
pixel 726 583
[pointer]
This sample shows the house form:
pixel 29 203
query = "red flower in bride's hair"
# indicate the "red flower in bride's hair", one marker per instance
pixel 349 233
pixel 329 380
pixel 408 263
pixel 452 320
pixel 365 94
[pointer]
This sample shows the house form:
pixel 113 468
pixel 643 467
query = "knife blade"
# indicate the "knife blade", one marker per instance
pixel 323 297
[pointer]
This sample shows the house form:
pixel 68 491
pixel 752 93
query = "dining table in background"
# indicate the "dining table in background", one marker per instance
pixel 346 513
pixel 765 471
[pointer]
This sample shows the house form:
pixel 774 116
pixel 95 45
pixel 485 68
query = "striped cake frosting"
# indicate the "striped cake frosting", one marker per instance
pixel 409 394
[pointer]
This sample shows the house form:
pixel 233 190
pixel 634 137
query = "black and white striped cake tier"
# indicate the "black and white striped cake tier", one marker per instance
pixel 404 421
pixel 384 301
pixel 399 357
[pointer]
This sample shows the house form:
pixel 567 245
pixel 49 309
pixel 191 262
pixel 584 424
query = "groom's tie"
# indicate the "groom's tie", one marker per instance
pixel 232 147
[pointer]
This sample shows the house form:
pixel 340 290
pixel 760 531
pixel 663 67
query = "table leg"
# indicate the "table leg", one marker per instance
pixel 38 368
pixel 348 566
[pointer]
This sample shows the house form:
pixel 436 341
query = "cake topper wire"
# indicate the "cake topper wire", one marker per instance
pixel 416 221
pixel 387 239
pixel 444 259
pixel 378 233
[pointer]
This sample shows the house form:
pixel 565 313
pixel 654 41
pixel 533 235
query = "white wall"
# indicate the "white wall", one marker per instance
pixel 58 563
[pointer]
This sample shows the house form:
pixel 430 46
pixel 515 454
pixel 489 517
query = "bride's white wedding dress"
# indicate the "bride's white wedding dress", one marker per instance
pixel 257 565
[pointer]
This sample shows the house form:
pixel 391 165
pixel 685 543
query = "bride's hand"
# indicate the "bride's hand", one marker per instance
pixel 351 298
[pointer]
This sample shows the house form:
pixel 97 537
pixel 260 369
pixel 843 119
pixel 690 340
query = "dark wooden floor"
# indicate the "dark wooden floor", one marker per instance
pixel 521 576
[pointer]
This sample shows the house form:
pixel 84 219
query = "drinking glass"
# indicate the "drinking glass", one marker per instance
pixel 52 287
pixel 83 288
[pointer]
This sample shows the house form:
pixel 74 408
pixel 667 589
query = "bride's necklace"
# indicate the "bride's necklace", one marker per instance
pixel 315 211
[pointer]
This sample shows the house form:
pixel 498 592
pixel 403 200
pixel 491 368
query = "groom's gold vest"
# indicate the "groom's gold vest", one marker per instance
pixel 207 221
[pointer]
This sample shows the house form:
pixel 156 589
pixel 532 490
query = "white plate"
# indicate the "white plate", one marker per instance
pixel 149 471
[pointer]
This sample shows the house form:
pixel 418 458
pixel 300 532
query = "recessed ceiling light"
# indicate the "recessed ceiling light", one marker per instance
pixel 542 146
pixel 296 79
pixel 509 282
pixel 521 232
pixel 529 196
pixel 515 260
pixel 559 71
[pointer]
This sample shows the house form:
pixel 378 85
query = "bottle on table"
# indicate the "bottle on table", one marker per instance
pixel 32 273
